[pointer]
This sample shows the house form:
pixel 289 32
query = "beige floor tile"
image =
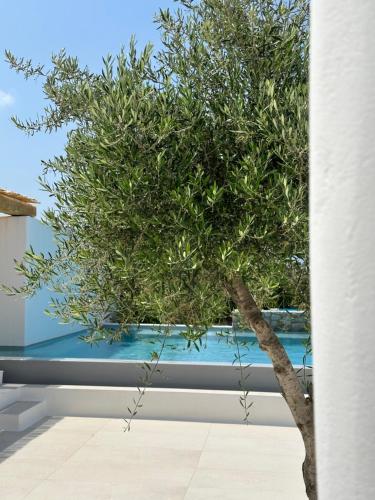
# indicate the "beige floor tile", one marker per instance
pixel 171 458
pixel 219 494
pixel 68 490
pixel 248 439
pixel 14 488
pixel 287 494
pixel 174 439
pixel 45 446
pixel 242 494
pixel 118 473
pixel 237 446
pixel 276 482
pixel 160 426
pixel 79 458
pixel 221 478
pixel 35 449
pixel 53 443
pixel 62 436
pixel 255 460
pixel 8 438
pixel 82 424
pixel 28 468
pixel 114 424
pixel 148 492
pixel 253 433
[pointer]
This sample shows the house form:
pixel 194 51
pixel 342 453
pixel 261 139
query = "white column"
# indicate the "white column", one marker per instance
pixel 23 321
pixel 343 245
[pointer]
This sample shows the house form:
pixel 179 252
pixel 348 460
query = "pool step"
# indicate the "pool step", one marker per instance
pixel 8 395
pixel 20 415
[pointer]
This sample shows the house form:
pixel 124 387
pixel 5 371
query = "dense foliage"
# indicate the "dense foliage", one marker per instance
pixel 181 169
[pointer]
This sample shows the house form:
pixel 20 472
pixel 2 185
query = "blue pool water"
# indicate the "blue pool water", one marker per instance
pixel 140 343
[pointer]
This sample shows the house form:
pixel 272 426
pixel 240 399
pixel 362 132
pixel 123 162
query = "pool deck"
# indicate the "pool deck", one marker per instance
pixel 91 458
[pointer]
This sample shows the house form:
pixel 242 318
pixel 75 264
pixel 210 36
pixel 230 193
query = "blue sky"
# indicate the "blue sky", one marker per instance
pixel 88 29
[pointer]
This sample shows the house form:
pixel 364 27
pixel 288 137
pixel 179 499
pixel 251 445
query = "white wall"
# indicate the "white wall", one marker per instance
pixel 343 245
pixel 24 322
pixel 39 326
pixel 12 310
pixel 172 404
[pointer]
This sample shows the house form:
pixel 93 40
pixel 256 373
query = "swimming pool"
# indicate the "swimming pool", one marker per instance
pixel 217 347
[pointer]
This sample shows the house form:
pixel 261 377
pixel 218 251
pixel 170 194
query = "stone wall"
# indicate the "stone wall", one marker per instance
pixel 280 319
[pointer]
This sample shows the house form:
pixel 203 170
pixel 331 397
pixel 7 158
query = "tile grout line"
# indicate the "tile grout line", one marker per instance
pixel 200 455
pixel 65 460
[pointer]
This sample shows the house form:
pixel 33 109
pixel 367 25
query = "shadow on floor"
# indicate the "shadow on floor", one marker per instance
pixel 12 441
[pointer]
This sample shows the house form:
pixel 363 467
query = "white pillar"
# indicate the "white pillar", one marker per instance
pixel 343 245
pixel 23 321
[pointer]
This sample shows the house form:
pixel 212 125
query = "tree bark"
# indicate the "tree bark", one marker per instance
pixel 301 406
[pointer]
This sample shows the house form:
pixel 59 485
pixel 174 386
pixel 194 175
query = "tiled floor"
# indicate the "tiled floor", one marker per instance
pixel 87 458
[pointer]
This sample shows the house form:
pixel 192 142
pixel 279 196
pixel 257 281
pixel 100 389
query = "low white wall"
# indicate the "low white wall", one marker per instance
pixel 24 322
pixel 162 404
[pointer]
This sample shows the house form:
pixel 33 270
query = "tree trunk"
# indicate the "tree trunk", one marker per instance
pixel 300 405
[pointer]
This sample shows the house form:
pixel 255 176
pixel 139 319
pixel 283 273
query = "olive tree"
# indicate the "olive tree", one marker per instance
pixel 182 191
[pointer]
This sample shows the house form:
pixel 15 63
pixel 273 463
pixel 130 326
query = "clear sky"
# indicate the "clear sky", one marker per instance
pixel 35 29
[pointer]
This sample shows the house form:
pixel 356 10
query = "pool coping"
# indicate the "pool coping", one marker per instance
pixel 120 373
